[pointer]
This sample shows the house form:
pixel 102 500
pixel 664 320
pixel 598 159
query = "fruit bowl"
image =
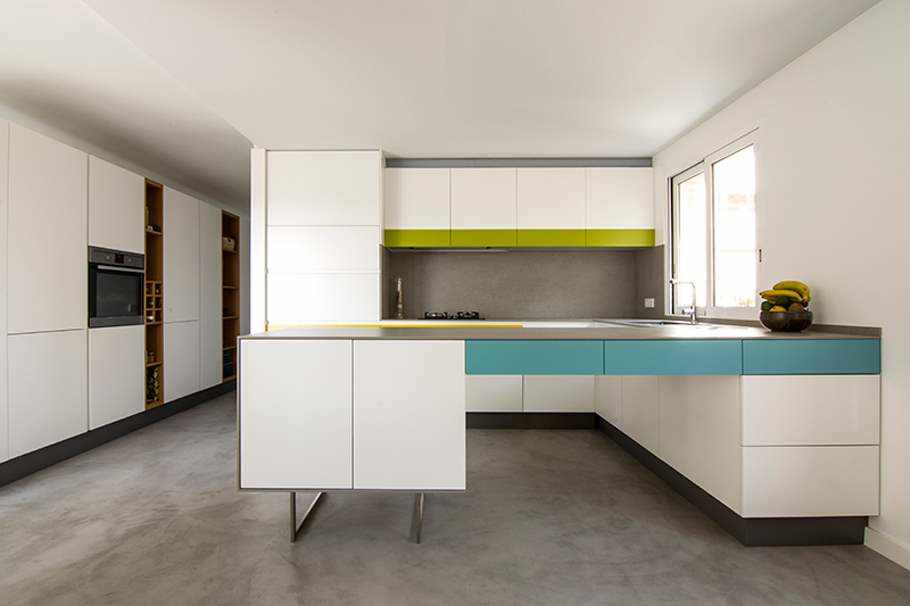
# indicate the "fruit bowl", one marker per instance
pixel 786 321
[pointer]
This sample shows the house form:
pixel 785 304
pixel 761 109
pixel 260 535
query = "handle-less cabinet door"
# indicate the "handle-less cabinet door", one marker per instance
pixel 554 393
pixel 4 402
pixel 181 257
pixel 116 387
pixel 295 414
pixel 324 188
pixel 181 359
pixel 116 207
pixel 48 247
pixel 484 206
pixel 620 207
pixel 551 207
pixel 416 207
pixel 210 323
pixel 493 393
pixel 47 389
pixel 641 410
pixel 409 417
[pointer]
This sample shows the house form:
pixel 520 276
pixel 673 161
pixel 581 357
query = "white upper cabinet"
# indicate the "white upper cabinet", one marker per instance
pixel 324 188
pixel 116 207
pixel 416 198
pixel 210 335
pixel 484 198
pixel 181 256
pixel 620 198
pixel 551 198
pixel 47 243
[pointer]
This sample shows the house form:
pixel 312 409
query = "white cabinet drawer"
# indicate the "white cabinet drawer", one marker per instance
pixel 493 393
pixel 299 299
pixel 558 393
pixel 323 249
pixel 416 198
pixel 809 410
pixel 810 481
pixel 620 198
pixel 296 414
pixel 641 410
pixel 608 398
pixel 324 188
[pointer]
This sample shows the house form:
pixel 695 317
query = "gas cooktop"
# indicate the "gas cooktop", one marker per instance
pixel 452 315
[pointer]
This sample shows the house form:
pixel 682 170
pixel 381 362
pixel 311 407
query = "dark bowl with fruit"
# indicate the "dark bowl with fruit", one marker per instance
pixel 786 321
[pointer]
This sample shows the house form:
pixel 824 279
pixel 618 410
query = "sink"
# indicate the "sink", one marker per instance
pixel 559 324
pixel 653 323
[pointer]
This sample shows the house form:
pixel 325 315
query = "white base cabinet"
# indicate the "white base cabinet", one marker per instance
pixel 47 388
pixel 493 393
pixel 409 420
pixel 608 397
pixel 181 359
pixel 116 386
pixel 296 414
pixel 558 393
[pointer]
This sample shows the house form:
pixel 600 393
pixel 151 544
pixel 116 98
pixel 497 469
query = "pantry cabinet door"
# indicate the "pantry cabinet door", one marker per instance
pixel 116 385
pixel 116 207
pixel 47 245
pixel 210 307
pixel 181 256
pixel 181 359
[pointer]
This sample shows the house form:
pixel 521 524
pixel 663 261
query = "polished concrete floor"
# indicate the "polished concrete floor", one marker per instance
pixel 550 517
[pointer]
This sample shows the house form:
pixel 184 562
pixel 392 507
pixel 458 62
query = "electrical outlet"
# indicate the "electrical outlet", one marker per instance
pixel 649 303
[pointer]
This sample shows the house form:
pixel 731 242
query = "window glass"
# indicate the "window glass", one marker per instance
pixel 734 229
pixel 691 249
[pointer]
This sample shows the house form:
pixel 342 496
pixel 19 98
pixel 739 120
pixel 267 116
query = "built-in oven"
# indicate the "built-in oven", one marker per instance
pixel 115 287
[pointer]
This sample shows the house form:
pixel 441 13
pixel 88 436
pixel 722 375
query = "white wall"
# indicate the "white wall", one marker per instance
pixel 833 162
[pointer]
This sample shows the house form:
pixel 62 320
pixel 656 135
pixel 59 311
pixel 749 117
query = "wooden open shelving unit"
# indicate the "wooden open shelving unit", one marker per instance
pixel 230 293
pixel 154 294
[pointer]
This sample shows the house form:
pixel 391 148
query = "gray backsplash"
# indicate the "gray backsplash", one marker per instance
pixel 525 284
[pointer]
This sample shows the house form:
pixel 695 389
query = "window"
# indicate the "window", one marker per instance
pixel 714 243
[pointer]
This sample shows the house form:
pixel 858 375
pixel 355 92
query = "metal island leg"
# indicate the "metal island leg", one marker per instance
pixel 296 527
pixel 417 518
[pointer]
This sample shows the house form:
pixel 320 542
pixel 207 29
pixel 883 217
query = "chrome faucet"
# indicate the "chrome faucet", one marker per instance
pixel 693 319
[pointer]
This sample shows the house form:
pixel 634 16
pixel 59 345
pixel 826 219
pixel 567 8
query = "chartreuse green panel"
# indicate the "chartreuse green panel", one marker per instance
pixel 527 357
pixel 551 238
pixel 812 357
pixel 417 238
pixel 673 357
pixel 483 238
pixel 620 238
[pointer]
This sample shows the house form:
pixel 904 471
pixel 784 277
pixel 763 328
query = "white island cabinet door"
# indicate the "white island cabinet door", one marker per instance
pixel 295 414
pixel 409 415
pixel 116 384
pixel 116 207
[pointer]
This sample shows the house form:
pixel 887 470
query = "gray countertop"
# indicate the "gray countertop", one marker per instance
pixel 493 332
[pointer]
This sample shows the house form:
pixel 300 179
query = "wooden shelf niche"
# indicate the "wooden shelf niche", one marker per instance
pixel 154 294
pixel 230 293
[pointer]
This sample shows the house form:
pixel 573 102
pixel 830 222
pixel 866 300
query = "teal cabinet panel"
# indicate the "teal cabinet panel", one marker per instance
pixel 533 357
pixel 673 357
pixel 812 357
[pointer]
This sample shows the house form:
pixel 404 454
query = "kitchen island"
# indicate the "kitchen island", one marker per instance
pixel 774 435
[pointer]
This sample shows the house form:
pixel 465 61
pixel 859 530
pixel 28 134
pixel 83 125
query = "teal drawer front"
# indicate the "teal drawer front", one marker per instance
pixel 812 357
pixel 534 357
pixel 673 357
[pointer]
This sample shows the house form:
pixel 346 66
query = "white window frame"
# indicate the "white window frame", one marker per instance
pixel 706 166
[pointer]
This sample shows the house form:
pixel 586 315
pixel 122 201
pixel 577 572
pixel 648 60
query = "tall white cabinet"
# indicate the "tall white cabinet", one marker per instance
pixel 210 307
pixel 47 245
pixel 4 205
pixel 116 382
pixel 181 359
pixel 323 233
pixel 181 256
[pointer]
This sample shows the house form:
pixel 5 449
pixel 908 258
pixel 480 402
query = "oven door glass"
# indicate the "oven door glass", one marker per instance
pixel 116 296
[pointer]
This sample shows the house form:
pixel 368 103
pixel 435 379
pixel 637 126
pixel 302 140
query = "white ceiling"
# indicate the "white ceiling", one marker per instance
pixel 165 84
pixel 64 66
pixel 473 77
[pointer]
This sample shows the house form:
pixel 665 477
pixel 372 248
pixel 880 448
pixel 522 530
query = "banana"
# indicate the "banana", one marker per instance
pixel 795 286
pixel 776 294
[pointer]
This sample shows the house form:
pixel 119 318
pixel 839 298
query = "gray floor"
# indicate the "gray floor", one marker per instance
pixel 550 517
